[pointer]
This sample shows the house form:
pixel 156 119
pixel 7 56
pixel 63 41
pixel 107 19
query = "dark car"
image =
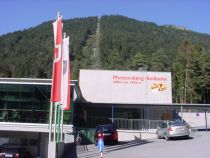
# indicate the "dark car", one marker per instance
pixel 107 132
pixel 14 152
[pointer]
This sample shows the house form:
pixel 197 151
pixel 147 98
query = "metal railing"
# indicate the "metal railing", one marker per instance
pixel 124 124
pixel 136 124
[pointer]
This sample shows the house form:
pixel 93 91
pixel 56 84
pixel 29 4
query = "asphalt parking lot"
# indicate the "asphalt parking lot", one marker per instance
pixel 197 146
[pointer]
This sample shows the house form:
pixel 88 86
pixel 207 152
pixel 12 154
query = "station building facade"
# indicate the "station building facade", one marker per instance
pixel 101 95
pixel 24 113
pixel 133 100
pixel 111 96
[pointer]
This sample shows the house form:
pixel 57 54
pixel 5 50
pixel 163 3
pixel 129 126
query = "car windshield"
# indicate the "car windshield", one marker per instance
pixel 176 123
pixel 105 128
pixel 11 150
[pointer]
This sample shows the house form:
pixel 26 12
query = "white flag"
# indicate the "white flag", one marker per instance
pixel 65 86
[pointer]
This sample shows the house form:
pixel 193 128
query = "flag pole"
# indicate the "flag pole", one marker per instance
pixel 58 14
pixel 56 88
pixel 50 130
pixel 61 116
pixel 58 124
pixel 55 121
pixel 61 124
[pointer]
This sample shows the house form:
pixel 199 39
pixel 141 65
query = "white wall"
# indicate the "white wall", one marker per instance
pixel 196 119
pixel 109 86
pixel 128 135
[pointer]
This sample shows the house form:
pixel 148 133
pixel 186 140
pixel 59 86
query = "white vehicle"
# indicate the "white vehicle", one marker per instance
pixel 169 129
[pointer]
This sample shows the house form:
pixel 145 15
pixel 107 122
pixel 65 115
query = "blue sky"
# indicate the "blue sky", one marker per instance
pixel 22 14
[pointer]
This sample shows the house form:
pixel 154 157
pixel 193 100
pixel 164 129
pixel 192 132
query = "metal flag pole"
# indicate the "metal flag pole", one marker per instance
pixel 61 124
pixel 55 121
pixel 55 92
pixel 50 130
pixel 52 143
pixel 58 14
pixel 58 124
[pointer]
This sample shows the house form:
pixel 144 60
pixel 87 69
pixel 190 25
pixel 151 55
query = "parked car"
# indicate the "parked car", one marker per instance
pixel 107 132
pixel 14 152
pixel 169 129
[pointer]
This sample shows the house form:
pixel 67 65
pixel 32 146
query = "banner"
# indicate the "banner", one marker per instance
pixel 65 86
pixel 132 87
pixel 57 64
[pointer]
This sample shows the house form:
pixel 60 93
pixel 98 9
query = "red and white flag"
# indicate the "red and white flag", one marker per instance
pixel 57 64
pixel 65 86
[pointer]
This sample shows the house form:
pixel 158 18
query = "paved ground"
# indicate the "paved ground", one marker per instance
pixel 198 146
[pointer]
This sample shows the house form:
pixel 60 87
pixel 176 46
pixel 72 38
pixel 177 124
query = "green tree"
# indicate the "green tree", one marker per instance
pixel 200 75
pixel 191 74
pixel 159 61
pixel 138 61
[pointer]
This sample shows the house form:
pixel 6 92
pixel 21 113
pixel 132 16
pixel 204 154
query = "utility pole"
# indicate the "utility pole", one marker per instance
pixel 185 85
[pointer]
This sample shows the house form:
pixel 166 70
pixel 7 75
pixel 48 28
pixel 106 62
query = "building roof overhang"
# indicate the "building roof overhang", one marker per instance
pixel 136 105
pixel 33 81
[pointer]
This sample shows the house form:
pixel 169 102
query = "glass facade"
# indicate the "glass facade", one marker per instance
pixel 26 103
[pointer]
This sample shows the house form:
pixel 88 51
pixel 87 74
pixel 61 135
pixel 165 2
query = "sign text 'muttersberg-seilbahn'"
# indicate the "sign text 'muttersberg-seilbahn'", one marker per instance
pixel 139 78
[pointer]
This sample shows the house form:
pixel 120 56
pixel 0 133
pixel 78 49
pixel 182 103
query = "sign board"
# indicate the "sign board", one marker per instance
pixel 100 144
pixel 106 86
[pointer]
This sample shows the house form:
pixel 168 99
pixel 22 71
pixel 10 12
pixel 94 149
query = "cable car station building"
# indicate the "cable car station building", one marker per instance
pixel 24 113
pixel 123 94
pixel 133 100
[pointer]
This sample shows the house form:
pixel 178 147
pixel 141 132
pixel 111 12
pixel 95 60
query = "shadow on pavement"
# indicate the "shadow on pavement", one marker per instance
pixel 69 151
pixel 123 145
pixel 94 152
pixel 181 138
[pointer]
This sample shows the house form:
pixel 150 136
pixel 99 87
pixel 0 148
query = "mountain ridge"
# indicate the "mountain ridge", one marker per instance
pixel 43 33
pixel 113 43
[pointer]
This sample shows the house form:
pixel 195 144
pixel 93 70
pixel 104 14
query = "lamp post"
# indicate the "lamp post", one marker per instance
pixel 144 67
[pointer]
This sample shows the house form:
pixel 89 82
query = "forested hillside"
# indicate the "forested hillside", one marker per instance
pixel 29 53
pixel 119 43
pixel 126 41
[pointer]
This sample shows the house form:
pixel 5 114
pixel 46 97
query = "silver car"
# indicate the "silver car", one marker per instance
pixel 169 129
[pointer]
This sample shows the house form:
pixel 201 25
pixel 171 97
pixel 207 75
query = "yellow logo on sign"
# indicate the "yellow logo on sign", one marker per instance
pixel 158 87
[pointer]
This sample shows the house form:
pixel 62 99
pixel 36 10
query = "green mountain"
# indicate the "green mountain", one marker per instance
pixel 29 53
pixel 114 42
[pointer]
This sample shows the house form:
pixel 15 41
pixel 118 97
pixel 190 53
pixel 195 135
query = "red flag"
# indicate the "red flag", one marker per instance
pixel 65 86
pixel 57 64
